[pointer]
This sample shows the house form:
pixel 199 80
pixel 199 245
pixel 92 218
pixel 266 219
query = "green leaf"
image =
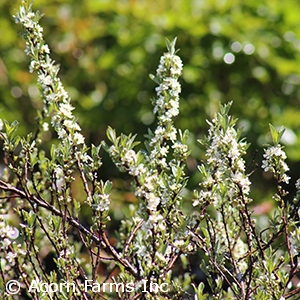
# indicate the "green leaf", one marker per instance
pixel 107 187
pixel 52 151
pixel 111 134
pixel 206 235
pixel 10 129
pixel 104 146
pixel 95 150
pixel 29 217
pixel 33 159
pixel 224 109
pixel 199 291
pixel 154 78
pixel 77 205
pixel 276 134
pixel 171 46
pixel 16 141
pixel 177 171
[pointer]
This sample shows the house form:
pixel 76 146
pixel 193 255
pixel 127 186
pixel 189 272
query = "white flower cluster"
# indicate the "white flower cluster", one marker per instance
pixel 57 105
pixel 242 181
pixel 167 102
pixel 148 181
pixel 149 191
pixel 130 158
pixel 161 134
pixel 152 201
pixel 155 221
pixel 169 65
pixel 239 251
pixel 53 92
pixel 225 143
pixel 295 241
pixel 155 225
pixel 126 160
pixel 7 234
pixel 180 149
pixel 28 19
pixel 225 165
pixel 99 202
pixel 275 162
pixel 159 147
pixel 59 182
pixel 158 174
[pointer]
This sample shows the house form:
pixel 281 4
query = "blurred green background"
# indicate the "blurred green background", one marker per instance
pixel 245 51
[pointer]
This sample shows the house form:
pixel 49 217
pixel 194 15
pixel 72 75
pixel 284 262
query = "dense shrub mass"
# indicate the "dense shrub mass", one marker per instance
pixel 57 207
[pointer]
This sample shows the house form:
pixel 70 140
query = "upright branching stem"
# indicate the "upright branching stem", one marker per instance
pixel 241 257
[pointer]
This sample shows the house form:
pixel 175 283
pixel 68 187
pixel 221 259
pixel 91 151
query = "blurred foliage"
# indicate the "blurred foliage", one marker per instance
pixel 245 51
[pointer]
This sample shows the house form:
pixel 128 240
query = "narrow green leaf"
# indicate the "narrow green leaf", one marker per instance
pixel 274 134
pixel 107 187
pixel 111 134
pixel 154 78
pixel 171 45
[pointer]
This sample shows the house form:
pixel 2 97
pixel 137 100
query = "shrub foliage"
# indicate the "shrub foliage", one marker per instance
pixel 241 256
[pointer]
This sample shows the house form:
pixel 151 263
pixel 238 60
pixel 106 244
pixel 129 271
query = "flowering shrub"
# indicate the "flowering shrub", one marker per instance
pixel 40 216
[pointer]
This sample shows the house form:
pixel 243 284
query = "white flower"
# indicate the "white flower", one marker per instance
pixel 160 256
pixel 155 219
pixel 69 124
pixel 130 158
pixel 285 178
pixel 159 104
pixel 242 181
pixel 140 169
pixel 164 151
pixel 66 110
pixel 45 80
pixel 190 247
pixel 113 151
pixel 240 165
pixel 174 85
pixel 149 180
pixel 176 69
pixel 78 138
pixel 174 104
pixel 103 202
pixel 45 126
pixel 274 161
pixel 161 226
pixel 5 243
pixel 168 250
pixel 33 63
pixel 51 98
pixel 234 152
pixel 295 241
pixel 45 49
pixel 86 158
pixel 152 201
pixel 173 187
pixel 172 134
pixel 141 250
pixel 12 232
pixel 169 62
pixel 180 148
pixel 160 131
pixel 59 179
pixel 61 134
pixel 10 256
pixel 179 243
pixel 173 112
